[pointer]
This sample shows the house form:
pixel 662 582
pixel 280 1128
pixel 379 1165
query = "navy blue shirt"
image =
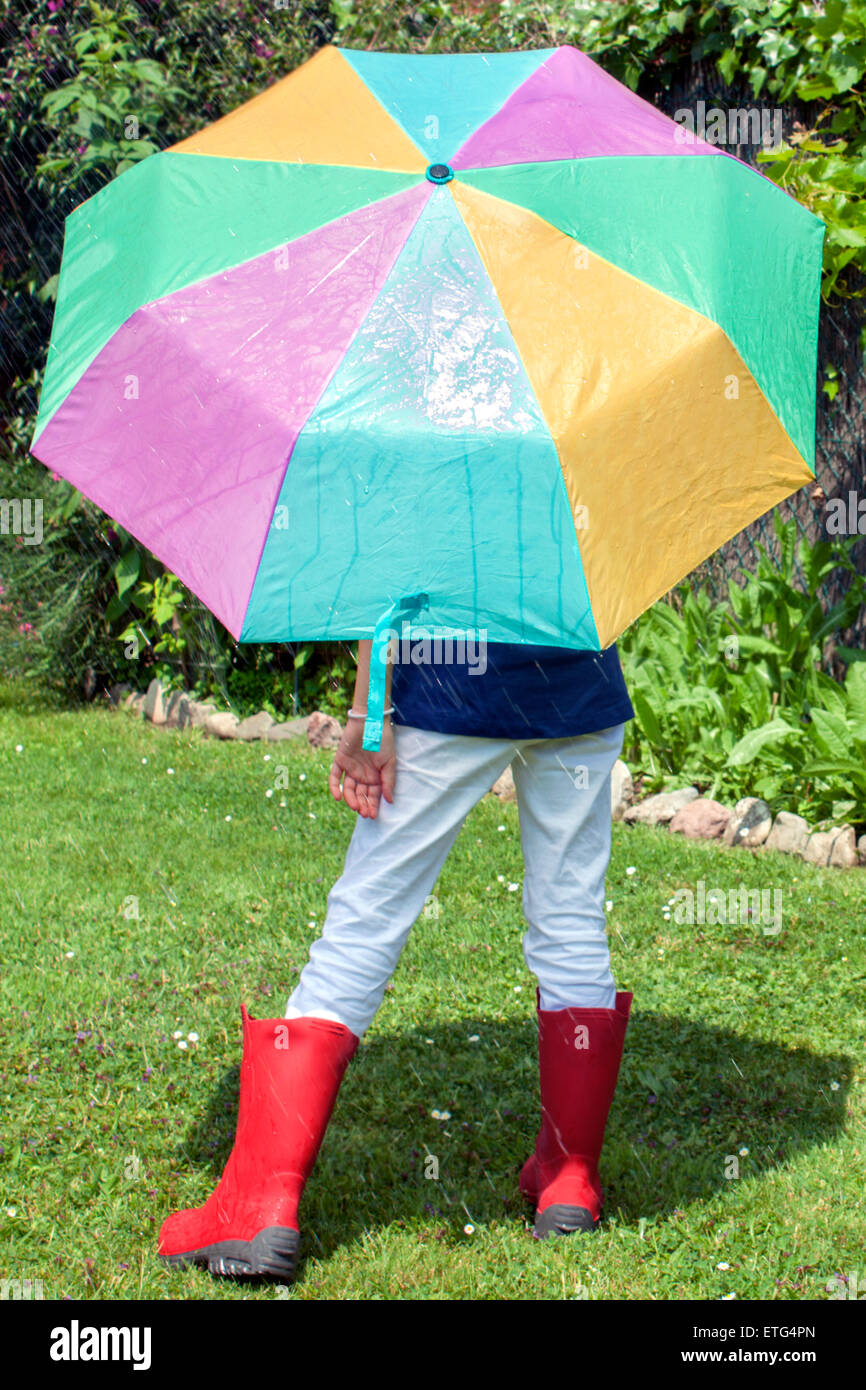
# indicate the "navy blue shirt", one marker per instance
pixel 524 692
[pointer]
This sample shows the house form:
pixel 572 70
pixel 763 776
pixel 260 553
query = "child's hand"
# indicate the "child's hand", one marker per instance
pixel 365 775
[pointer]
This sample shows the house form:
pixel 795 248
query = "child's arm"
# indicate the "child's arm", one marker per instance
pixel 365 775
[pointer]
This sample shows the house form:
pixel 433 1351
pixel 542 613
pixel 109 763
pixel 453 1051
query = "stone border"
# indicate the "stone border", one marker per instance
pixel 176 709
pixel 749 825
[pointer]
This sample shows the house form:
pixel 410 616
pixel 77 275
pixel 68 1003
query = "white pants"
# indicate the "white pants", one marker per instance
pixel 394 860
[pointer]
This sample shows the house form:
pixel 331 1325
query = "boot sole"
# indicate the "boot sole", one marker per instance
pixel 272 1253
pixel 561 1220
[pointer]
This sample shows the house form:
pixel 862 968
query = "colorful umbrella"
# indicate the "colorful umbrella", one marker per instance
pixel 480 340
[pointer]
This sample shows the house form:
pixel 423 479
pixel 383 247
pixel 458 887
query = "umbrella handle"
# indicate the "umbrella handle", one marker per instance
pixel 374 723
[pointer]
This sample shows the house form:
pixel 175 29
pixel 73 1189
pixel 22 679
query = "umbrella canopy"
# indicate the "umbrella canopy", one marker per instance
pixel 483 341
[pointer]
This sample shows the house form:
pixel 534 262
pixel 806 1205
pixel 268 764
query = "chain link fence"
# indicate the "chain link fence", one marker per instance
pixel 840 464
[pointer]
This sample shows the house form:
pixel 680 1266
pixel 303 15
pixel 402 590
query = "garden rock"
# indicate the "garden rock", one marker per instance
pixel 503 787
pixel 293 728
pixel 195 714
pixel 174 709
pixel 750 824
pixel 154 710
pixel 843 855
pixel 703 819
pixel 323 731
pixel 119 694
pixel 661 808
pixel 789 833
pixel 861 849
pixel 136 702
pixel 835 849
pixel 621 790
pixel 255 727
pixel 221 724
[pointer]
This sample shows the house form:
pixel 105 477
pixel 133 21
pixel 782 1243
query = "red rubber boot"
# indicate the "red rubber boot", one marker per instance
pixel 579 1052
pixel 290 1074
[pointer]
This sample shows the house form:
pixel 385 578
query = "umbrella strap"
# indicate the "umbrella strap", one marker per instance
pixel 374 723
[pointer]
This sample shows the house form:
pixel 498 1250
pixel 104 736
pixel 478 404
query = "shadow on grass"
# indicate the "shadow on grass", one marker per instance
pixel 690 1098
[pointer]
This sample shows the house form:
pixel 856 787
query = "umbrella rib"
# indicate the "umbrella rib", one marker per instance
pixel 340 264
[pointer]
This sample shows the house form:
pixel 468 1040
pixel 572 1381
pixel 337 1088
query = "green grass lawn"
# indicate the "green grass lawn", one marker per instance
pixel 150 885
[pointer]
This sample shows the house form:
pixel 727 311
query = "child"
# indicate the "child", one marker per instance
pixel 558 717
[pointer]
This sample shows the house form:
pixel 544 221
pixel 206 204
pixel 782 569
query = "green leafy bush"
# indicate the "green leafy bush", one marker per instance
pixel 738 698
